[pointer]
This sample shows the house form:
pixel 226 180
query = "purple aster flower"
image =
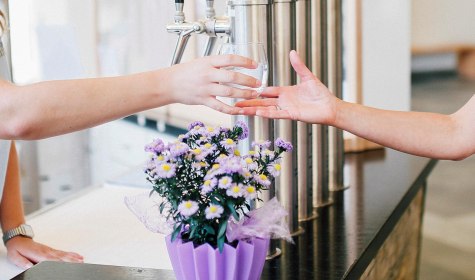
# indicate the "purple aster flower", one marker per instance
pixel 228 144
pixel 166 170
pixel 261 144
pixel 232 165
pixel 194 124
pixel 250 192
pixel 245 130
pixel 214 211
pixel 268 153
pixel 208 185
pixel 250 164
pixel 157 146
pixel 225 182
pixel 235 191
pixel 178 149
pixel 284 145
pixel 262 179
pixel 188 208
pixel 212 131
pixel 274 169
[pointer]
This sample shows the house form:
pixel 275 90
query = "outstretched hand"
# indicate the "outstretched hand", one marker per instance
pixel 309 101
pixel 25 252
pixel 200 81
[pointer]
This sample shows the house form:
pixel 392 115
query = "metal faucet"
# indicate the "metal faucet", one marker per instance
pixel 211 25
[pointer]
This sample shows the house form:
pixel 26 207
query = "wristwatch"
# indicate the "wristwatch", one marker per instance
pixel 22 230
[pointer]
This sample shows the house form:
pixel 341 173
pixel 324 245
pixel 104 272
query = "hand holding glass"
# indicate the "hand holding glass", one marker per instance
pixel 254 51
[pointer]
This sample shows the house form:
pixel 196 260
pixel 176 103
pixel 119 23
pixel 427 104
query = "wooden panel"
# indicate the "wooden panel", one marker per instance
pixel 398 258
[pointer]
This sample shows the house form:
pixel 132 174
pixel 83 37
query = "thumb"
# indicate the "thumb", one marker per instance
pixel 304 73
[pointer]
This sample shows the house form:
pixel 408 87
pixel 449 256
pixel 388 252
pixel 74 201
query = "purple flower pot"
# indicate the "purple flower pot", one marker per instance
pixel 244 262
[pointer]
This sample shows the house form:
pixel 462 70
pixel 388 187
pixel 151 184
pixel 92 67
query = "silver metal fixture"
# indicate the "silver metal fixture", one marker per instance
pixel 319 65
pixel 335 67
pixel 211 26
pixel 304 131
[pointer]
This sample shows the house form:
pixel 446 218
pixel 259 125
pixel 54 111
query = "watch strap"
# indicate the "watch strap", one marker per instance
pixel 22 230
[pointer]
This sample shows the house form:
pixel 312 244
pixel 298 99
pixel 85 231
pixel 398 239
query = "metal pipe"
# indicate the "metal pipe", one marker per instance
pixel 337 153
pixel 320 132
pixel 181 45
pixel 284 42
pixel 304 130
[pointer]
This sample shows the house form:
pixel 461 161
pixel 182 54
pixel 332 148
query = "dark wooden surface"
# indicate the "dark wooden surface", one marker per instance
pixel 339 244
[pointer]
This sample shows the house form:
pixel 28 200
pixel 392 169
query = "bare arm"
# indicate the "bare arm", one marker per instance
pixel 57 107
pixel 424 134
pixel 22 251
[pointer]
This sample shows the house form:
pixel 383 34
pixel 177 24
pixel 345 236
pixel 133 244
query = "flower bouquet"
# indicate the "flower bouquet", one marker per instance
pixel 207 187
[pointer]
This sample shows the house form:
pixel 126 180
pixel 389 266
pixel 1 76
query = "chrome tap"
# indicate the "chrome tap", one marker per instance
pixel 211 25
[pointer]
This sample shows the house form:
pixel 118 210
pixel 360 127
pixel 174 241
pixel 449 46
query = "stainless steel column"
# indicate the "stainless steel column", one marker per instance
pixel 335 70
pixel 284 42
pixel 251 21
pixel 250 24
pixel 319 56
pixel 304 130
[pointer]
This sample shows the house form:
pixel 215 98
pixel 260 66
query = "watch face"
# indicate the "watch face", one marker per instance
pixel 28 230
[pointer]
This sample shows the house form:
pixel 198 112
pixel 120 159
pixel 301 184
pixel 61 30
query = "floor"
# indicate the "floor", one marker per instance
pixel 448 246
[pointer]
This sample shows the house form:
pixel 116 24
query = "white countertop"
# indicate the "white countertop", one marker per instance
pixel 98 225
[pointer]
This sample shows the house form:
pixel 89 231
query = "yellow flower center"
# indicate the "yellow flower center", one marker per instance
pixel 222 156
pixel 229 141
pixel 203 164
pixel 277 167
pixel 166 167
pixel 202 138
pixel 247 174
pixel 251 189
pixel 197 151
pixel 207 182
pixel 216 166
pixel 208 145
pixel 248 160
pixel 188 204
pixel 210 129
pixel 237 153
pixel 160 158
pixel 213 209
pixel 263 177
pixel 252 153
pixel 224 181
pixel 235 189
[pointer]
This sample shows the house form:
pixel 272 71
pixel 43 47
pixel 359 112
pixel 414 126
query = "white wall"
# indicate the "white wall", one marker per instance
pixel 443 22
pixel 386 39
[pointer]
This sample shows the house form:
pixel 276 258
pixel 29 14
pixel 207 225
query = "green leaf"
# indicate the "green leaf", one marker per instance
pixel 222 229
pixel 221 244
pixel 210 230
pixel 176 231
pixel 230 205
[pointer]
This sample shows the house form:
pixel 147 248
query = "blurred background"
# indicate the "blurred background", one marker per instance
pixel 64 39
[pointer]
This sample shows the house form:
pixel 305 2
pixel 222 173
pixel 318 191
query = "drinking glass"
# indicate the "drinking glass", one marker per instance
pixel 254 51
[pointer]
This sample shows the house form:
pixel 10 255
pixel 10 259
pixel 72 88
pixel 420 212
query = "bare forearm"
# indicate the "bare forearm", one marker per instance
pixel 57 107
pixel 11 207
pixel 424 134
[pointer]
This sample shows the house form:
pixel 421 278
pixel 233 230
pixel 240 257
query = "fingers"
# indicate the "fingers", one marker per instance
pixel 221 107
pixel 258 102
pixel 19 260
pixel 68 256
pixel 304 73
pixel 231 92
pixel 231 77
pixel 272 113
pixel 271 92
pixel 232 60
